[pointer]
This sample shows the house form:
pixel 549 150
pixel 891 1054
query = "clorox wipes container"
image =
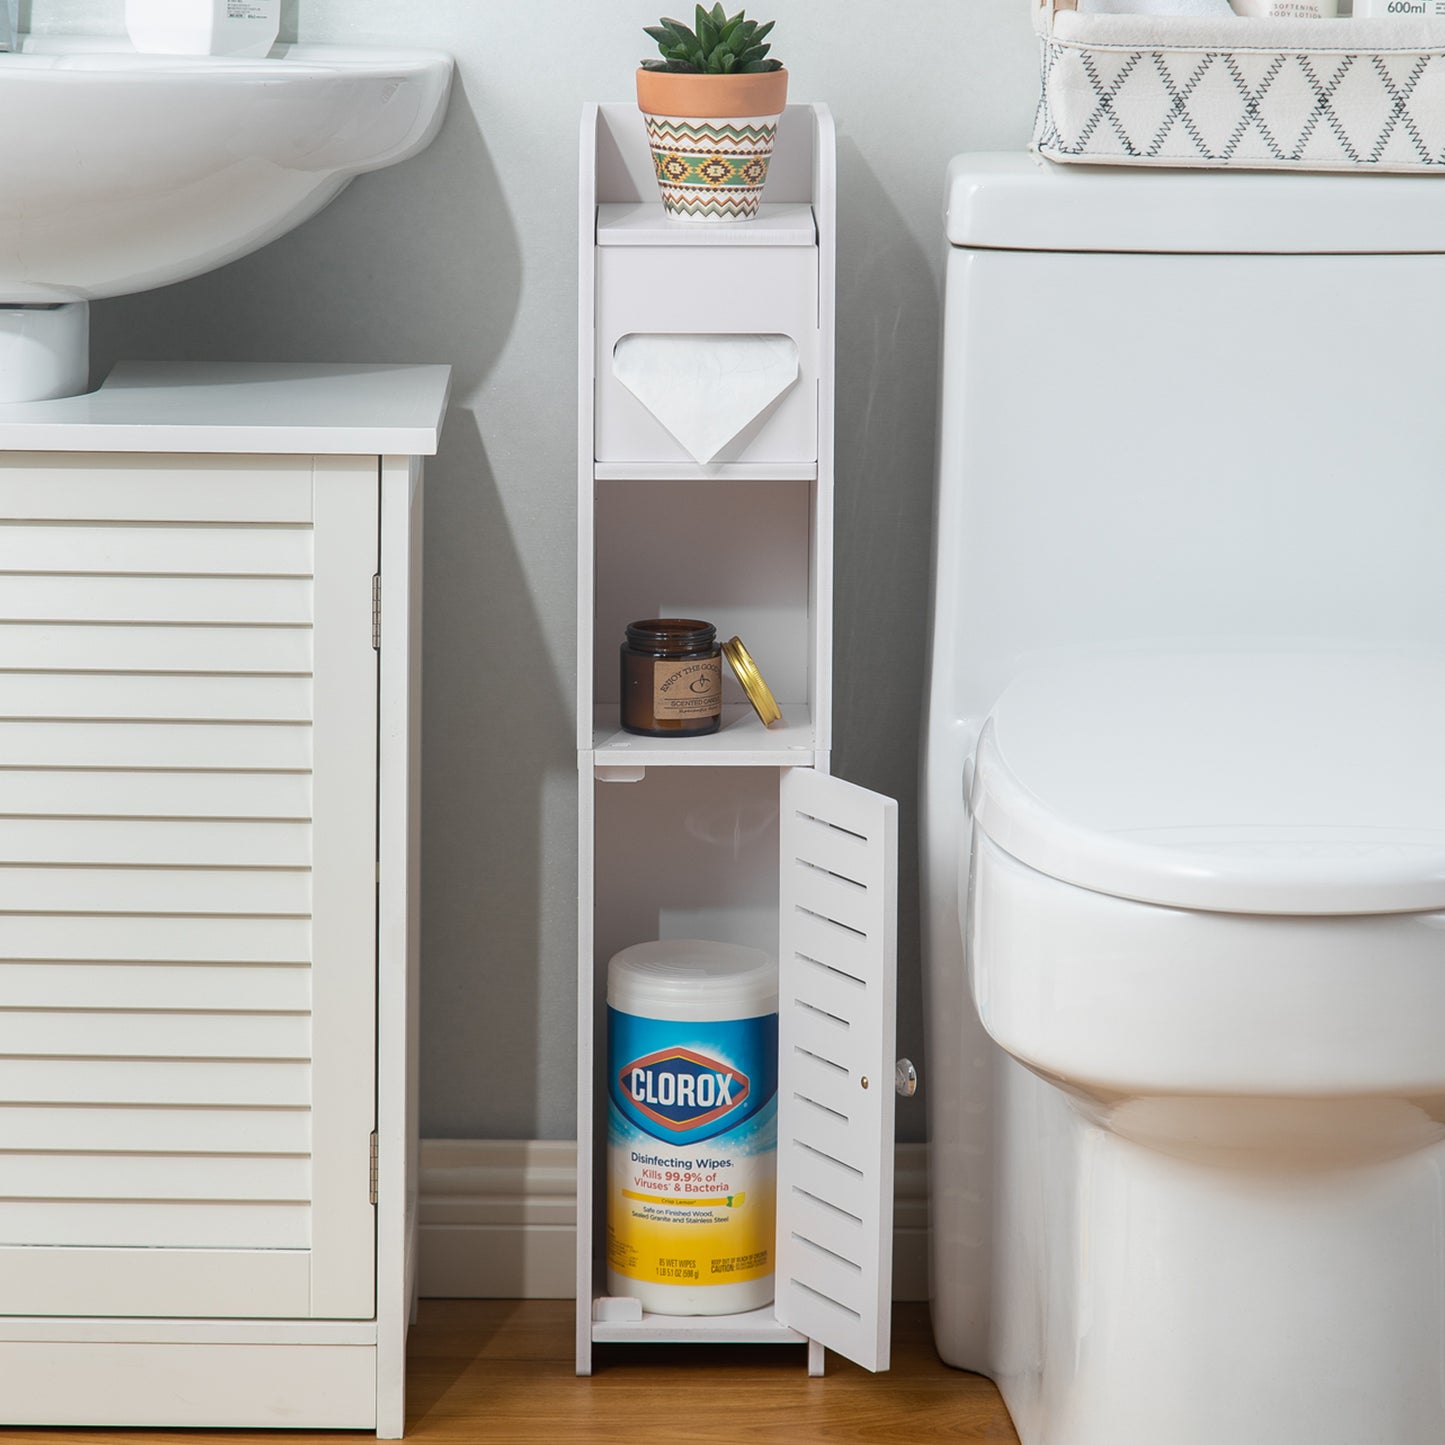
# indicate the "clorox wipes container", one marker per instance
pixel 692 1126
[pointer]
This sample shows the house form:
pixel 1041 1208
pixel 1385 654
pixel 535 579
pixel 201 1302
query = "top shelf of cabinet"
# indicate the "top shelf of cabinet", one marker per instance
pixel 645 223
pixel 618 175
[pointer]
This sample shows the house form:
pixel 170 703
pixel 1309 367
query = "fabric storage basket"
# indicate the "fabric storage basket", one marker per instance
pixel 1319 95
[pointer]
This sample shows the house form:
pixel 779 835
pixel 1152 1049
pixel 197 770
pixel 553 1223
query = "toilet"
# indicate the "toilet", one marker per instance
pixel 1183 805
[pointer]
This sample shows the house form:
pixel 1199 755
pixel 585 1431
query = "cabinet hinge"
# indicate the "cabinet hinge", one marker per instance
pixel 373 1166
pixel 376 610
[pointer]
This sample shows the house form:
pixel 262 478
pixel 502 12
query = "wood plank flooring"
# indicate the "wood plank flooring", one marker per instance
pixel 500 1371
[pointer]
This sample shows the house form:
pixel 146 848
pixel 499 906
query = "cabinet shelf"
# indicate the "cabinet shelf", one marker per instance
pixel 705 472
pixel 741 742
pixel 645 223
pixel 755 1327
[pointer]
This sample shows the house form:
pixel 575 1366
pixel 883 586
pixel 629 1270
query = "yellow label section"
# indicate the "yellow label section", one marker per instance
pixel 692 1241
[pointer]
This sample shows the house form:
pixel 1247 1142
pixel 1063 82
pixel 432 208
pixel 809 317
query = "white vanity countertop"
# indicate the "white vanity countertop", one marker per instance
pixel 302 409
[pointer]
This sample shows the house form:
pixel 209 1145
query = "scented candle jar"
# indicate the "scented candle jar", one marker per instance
pixel 671 678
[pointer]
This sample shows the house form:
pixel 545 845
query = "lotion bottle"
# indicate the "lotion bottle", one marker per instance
pixel 203 27
pixel 1287 9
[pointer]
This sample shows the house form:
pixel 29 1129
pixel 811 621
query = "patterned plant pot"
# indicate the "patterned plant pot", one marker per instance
pixel 711 138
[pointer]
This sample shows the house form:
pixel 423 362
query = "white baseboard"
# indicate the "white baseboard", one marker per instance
pixel 499 1219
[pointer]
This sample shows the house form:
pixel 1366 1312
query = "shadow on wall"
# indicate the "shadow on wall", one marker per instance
pixel 495 721
pixel 889 317
pixel 408 266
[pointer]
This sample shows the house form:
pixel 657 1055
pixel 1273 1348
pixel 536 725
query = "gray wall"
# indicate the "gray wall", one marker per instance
pixel 466 255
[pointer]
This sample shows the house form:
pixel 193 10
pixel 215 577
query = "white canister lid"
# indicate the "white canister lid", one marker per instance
pixel 693 980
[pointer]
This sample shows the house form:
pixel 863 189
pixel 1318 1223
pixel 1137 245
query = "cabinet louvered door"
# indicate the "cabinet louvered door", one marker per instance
pixel 837 985
pixel 187 886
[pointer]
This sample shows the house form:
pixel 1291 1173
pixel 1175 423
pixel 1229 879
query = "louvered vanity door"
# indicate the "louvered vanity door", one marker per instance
pixel 187 886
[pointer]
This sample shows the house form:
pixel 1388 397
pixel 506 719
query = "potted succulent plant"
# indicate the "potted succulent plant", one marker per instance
pixel 711 104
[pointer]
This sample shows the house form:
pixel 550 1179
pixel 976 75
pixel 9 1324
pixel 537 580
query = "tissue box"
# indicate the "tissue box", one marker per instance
pixel 1317 95
pixel 704 291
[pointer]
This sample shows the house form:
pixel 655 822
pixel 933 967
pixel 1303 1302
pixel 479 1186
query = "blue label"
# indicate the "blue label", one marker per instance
pixel 682 1082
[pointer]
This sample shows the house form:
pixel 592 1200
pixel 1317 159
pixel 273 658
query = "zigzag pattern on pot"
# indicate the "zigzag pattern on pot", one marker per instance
pixel 714 208
pixel 685 135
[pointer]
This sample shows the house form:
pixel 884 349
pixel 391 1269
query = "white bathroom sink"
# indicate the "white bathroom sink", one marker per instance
pixel 126 171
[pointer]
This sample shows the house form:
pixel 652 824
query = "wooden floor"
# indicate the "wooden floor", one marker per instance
pixel 502 1371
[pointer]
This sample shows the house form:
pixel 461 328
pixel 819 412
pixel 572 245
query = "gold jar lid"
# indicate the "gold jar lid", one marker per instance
pixel 746 670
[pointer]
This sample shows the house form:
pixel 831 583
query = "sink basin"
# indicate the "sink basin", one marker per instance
pixel 125 171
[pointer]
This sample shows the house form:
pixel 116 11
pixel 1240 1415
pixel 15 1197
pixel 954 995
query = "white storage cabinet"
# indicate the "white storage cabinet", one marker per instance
pixel 208 867
pixel 739 836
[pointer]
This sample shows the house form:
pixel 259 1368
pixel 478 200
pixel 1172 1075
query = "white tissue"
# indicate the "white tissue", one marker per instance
pixel 705 389
pixel 1155 7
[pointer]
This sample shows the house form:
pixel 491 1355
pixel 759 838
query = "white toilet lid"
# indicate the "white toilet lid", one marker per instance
pixel 1253 783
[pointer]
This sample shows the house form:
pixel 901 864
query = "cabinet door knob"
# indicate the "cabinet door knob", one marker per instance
pixel 905 1078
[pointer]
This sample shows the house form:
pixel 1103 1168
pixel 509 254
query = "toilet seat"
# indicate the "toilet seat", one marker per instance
pixel 1269 783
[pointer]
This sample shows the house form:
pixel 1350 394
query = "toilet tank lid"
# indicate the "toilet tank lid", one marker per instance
pixel 1239 782
pixel 1016 202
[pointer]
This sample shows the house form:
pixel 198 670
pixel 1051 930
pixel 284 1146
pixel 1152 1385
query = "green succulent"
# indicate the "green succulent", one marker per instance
pixel 719 45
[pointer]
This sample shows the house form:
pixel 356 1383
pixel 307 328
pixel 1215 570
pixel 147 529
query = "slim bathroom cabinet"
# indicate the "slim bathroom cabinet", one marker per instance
pixel 740 836
pixel 209 653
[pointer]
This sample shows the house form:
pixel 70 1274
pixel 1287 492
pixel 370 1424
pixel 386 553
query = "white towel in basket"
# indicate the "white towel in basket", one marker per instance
pixel 1224 90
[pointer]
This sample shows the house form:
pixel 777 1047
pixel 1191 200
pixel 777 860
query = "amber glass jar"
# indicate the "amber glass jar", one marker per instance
pixel 671 678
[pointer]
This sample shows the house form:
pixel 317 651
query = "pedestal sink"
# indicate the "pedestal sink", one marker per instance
pixel 124 171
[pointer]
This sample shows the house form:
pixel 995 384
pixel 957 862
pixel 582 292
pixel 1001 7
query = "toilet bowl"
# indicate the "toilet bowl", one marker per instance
pixel 1215 875
pixel 1183 799
pixel 1205 916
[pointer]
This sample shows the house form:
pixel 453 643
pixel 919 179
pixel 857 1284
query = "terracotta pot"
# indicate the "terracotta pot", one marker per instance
pixel 712 137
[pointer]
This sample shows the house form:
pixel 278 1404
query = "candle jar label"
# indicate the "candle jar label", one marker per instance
pixel 687 688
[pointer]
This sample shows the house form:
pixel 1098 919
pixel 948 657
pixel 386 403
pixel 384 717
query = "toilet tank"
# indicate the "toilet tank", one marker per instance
pixel 1185 409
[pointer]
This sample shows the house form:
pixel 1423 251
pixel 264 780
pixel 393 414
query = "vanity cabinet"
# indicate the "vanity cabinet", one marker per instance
pixel 740 836
pixel 208 868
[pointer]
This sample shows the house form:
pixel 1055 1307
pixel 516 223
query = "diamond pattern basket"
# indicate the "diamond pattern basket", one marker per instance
pixel 1318 95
